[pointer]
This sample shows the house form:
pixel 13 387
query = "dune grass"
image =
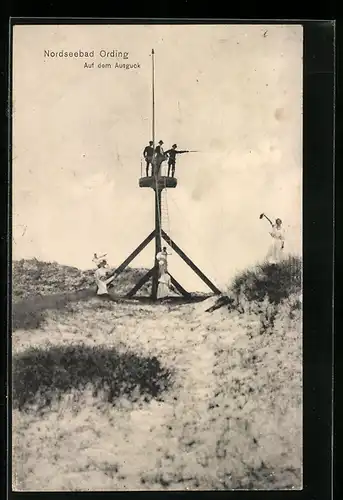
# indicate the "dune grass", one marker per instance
pixel 111 396
pixel 273 282
pixel 33 278
pixel 42 286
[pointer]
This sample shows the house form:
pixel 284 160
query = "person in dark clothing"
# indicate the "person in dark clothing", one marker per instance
pixel 159 157
pixel 148 153
pixel 172 158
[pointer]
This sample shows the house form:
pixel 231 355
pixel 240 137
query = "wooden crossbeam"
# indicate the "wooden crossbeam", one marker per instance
pixel 134 254
pixel 140 283
pixel 178 287
pixel 190 263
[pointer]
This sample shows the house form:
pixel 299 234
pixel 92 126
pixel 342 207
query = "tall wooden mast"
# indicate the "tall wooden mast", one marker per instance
pixel 158 183
pixel 153 96
pixel 157 189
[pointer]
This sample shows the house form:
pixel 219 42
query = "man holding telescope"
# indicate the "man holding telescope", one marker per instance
pixel 171 153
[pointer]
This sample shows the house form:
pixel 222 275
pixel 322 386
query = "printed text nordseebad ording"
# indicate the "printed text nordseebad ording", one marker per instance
pixel 86 53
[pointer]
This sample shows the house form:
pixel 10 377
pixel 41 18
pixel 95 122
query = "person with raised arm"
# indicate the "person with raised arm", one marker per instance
pixel 275 252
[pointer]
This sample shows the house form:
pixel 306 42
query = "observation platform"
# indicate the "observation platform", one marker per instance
pixel 161 182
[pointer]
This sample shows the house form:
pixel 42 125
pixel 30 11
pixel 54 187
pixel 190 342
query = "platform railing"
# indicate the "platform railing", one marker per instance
pixel 163 171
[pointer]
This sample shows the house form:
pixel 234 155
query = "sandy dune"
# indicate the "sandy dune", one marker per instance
pixel 232 418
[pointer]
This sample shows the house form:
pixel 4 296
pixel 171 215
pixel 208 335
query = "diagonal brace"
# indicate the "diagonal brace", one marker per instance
pixel 140 283
pixel 178 287
pixel 134 254
pixel 190 263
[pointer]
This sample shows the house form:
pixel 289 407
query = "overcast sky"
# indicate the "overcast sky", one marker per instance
pixel 232 92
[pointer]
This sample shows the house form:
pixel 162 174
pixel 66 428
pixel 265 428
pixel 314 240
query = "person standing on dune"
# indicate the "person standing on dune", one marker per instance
pixel 101 279
pixel 275 252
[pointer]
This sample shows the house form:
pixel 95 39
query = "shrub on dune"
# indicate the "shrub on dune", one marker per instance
pixel 274 282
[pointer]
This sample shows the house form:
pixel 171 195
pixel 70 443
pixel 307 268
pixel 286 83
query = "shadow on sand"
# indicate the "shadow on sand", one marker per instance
pixel 29 313
pixel 42 375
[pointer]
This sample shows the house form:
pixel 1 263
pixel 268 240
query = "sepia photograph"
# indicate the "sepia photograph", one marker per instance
pixel 157 176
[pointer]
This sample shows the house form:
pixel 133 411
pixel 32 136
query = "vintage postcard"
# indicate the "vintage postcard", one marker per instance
pixel 157 257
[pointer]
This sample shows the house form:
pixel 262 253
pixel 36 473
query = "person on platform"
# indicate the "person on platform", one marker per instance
pixel 159 157
pixel 148 154
pixel 171 154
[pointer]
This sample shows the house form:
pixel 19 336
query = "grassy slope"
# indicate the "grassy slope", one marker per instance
pixel 41 286
pixel 33 277
pixel 232 417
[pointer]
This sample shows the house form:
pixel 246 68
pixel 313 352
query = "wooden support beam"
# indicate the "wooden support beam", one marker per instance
pixel 158 243
pixel 140 283
pixel 134 254
pixel 190 263
pixel 178 287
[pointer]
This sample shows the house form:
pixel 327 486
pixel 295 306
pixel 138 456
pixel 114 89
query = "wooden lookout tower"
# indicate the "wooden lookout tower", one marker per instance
pixel 159 184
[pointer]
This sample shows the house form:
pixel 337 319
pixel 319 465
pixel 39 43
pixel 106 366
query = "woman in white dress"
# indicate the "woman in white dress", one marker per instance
pixel 163 286
pixel 275 252
pixel 101 278
pixel 162 261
